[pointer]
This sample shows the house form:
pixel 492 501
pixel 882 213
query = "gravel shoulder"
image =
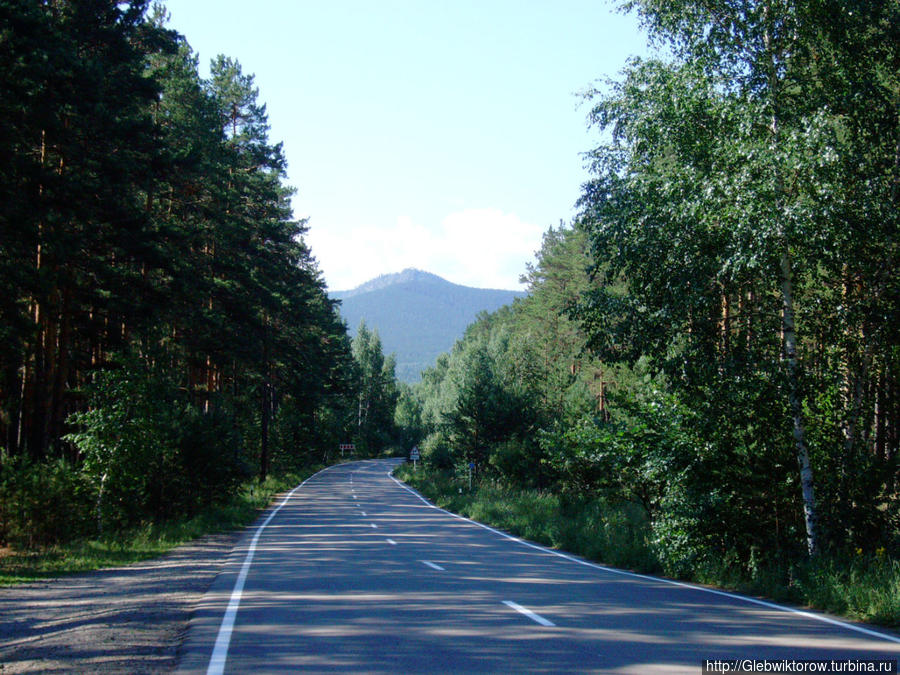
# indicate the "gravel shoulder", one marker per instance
pixel 128 619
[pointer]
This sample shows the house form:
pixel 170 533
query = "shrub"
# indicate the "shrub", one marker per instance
pixel 436 451
pixel 211 458
pixel 148 453
pixel 127 441
pixel 519 461
pixel 42 504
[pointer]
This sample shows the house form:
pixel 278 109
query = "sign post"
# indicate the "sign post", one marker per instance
pixel 414 456
pixel 471 469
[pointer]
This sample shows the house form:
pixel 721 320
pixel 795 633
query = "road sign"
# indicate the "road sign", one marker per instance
pixel 347 446
pixel 414 453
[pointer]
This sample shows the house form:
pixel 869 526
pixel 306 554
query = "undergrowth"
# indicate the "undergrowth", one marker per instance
pixel 858 587
pixel 147 541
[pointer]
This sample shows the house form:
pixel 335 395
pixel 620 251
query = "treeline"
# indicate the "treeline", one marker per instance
pixel 164 330
pixel 713 345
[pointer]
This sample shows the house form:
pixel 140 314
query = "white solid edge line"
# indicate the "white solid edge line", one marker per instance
pixel 647 577
pixel 223 639
pixel 433 566
pixel 537 618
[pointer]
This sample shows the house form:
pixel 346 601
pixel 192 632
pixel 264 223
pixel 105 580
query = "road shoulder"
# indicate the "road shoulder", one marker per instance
pixel 128 619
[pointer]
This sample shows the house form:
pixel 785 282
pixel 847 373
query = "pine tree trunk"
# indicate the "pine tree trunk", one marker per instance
pixel 60 371
pixel 265 410
pixel 264 433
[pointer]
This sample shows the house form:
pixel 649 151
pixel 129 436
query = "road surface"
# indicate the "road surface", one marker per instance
pixel 354 572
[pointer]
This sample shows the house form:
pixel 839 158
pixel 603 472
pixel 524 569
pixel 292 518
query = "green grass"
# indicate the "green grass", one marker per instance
pixel 866 589
pixel 617 534
pixel 142 543
pixel 860 588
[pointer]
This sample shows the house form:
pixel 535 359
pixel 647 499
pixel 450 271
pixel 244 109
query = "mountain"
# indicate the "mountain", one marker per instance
pixel 418 315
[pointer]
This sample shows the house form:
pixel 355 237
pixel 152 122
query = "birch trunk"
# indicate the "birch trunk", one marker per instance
pixel 790 355
pixel 776 50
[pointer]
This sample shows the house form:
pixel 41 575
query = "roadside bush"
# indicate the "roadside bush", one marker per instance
pixel 530 514
pixel 147 540
pixel 127 440
pixel 519 461
pixel 437 453
pixel 42 504
pixel 615 534
pixel 211 458
pixel 150 455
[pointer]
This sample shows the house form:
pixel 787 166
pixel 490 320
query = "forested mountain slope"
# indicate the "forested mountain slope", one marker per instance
pixel 418 315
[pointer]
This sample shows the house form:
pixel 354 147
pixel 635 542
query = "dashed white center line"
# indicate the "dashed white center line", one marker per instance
pixel 374 526
pixel 432 565
pixel 537 618
pixel 363 514
pixel 392 542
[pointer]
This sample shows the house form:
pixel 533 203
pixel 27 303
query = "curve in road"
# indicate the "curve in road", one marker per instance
pixel 354 571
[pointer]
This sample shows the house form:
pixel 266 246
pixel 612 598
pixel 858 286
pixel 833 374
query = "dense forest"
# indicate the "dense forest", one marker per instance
pixel 164 331
pixel 712 349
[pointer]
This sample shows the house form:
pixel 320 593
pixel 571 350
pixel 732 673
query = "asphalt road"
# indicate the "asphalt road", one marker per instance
pixel 354 572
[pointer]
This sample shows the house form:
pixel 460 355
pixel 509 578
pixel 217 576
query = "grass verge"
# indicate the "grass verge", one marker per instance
pixel 148 541
pixel 859 588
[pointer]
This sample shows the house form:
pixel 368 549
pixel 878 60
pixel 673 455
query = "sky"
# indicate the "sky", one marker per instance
pixel 445 136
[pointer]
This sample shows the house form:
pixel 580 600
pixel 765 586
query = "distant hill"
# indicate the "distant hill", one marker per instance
pixel 418 315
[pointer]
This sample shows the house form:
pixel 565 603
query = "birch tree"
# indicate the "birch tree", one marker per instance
pixel 723 199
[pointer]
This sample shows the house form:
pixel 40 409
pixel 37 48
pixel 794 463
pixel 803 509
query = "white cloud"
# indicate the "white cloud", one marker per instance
pixel 486 248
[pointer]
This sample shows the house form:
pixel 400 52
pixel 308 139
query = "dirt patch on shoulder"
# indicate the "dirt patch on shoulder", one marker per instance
pixel 121 620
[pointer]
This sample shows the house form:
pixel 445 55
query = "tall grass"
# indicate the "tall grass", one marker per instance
pixel 859 587
pixel 147 541
pixel 616 533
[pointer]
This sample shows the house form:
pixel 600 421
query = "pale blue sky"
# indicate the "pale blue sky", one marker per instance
pixel 439 135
